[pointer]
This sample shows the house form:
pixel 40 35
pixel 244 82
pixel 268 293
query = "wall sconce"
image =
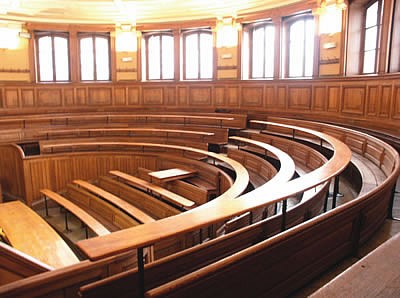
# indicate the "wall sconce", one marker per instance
pixel 126 38
pixel 9 38
pixel 227 33
pixel 330 13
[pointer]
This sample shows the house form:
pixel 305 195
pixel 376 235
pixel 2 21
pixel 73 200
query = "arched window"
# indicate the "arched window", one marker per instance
pixel 197 55
pixel 300 47
pixel 371 36
pixel 159 53
pixel 95 56
pixel 52 52
pixel 261 44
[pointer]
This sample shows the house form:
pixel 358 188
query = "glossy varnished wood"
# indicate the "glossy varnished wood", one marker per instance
pixel 29 233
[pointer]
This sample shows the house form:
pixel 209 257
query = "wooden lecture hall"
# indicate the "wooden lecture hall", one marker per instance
pixel 203 148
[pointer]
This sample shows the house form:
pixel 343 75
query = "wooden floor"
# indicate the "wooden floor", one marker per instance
pixel 388 230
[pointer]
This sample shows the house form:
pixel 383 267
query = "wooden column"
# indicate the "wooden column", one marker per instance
pixel 384 42
pixel 277 21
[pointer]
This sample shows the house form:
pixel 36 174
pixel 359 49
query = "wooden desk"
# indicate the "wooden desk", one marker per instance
pixel 30 234
pixel 89 221
pixel 125 206
pixel 170 196
pixel 172 174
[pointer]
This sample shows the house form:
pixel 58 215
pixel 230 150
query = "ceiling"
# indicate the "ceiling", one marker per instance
pixel 129 11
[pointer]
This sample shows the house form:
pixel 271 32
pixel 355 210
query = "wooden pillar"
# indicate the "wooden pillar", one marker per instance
pixel 277 21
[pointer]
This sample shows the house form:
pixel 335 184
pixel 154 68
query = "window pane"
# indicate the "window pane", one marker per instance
pixel 192 54
pixel 206 56
pixel 296 49
pixel 369 61
pixel 45 59
pixel 370 38
pixel 102 59
pixel 154 57
pixel 258 52
pixel 167 57
pixel 309 51
pixel 269 51
pixel 87 63
pixel 372 15
pixel 61 58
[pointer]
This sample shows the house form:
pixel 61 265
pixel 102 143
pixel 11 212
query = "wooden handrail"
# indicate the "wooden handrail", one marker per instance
pixel 168 195
pixel 125 206
pixel 90 221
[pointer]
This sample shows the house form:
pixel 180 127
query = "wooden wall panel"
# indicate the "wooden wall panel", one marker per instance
pixel 62 170
pixel 232 96
pixel 372 100
pixel 299 98
pixel 170 96
pixel 319 98
pixel 120 96
pixel 81 96
pixel 126 164
pixel 219 95
pixel 152 95
pixel 396 102
pixel 200 96
pixel 100 96
pixel 69 96
pixel 37 176
pixel 11 97
pixel 353 100
pixel 253 96
pixel 28 98
pixel 182 96
pixel 384 103
pixel 84 167
pixel 281 97
pixel 133 96
pixel 271 100
pixel 333 99
pixel 104 164
pixel 49 98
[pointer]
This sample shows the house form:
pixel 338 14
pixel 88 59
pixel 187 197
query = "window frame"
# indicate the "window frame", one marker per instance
pixel 251 28
pixel 289 21
pixel 93 35
pixel 146 37
pixel 378 35
pixel 187 33
pixel 52 35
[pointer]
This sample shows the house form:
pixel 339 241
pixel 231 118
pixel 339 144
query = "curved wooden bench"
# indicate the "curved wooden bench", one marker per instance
pixel 30 234
pixel 87 219
pixel 124 206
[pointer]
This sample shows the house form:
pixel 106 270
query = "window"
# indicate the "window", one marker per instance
pixel 371 37
pixel 159 53
pixel 262 51
pixel 52 56
pixel 300 47
pixel 95 56
pixel 198 54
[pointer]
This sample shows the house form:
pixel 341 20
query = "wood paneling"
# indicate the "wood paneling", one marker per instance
pixel 62 169
pixel 81 96
pixel 252 96
pixel 200 96
pixel 299 98
pixel 120 96
pixel 384 103
pixel 270 99
pixel 28 98
pixel 153 96
pixel 281 97
pixel 319 98
pixel 11 98
pixel 333 99
pixel 372 100
pixel 133 96
pixel 49 97
pixel 182 96
pixel 170 96
pixel 232 96
pixel 69 96
pixel 353 101
pixel 396 102
pixel 219 95
pixel 100 96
